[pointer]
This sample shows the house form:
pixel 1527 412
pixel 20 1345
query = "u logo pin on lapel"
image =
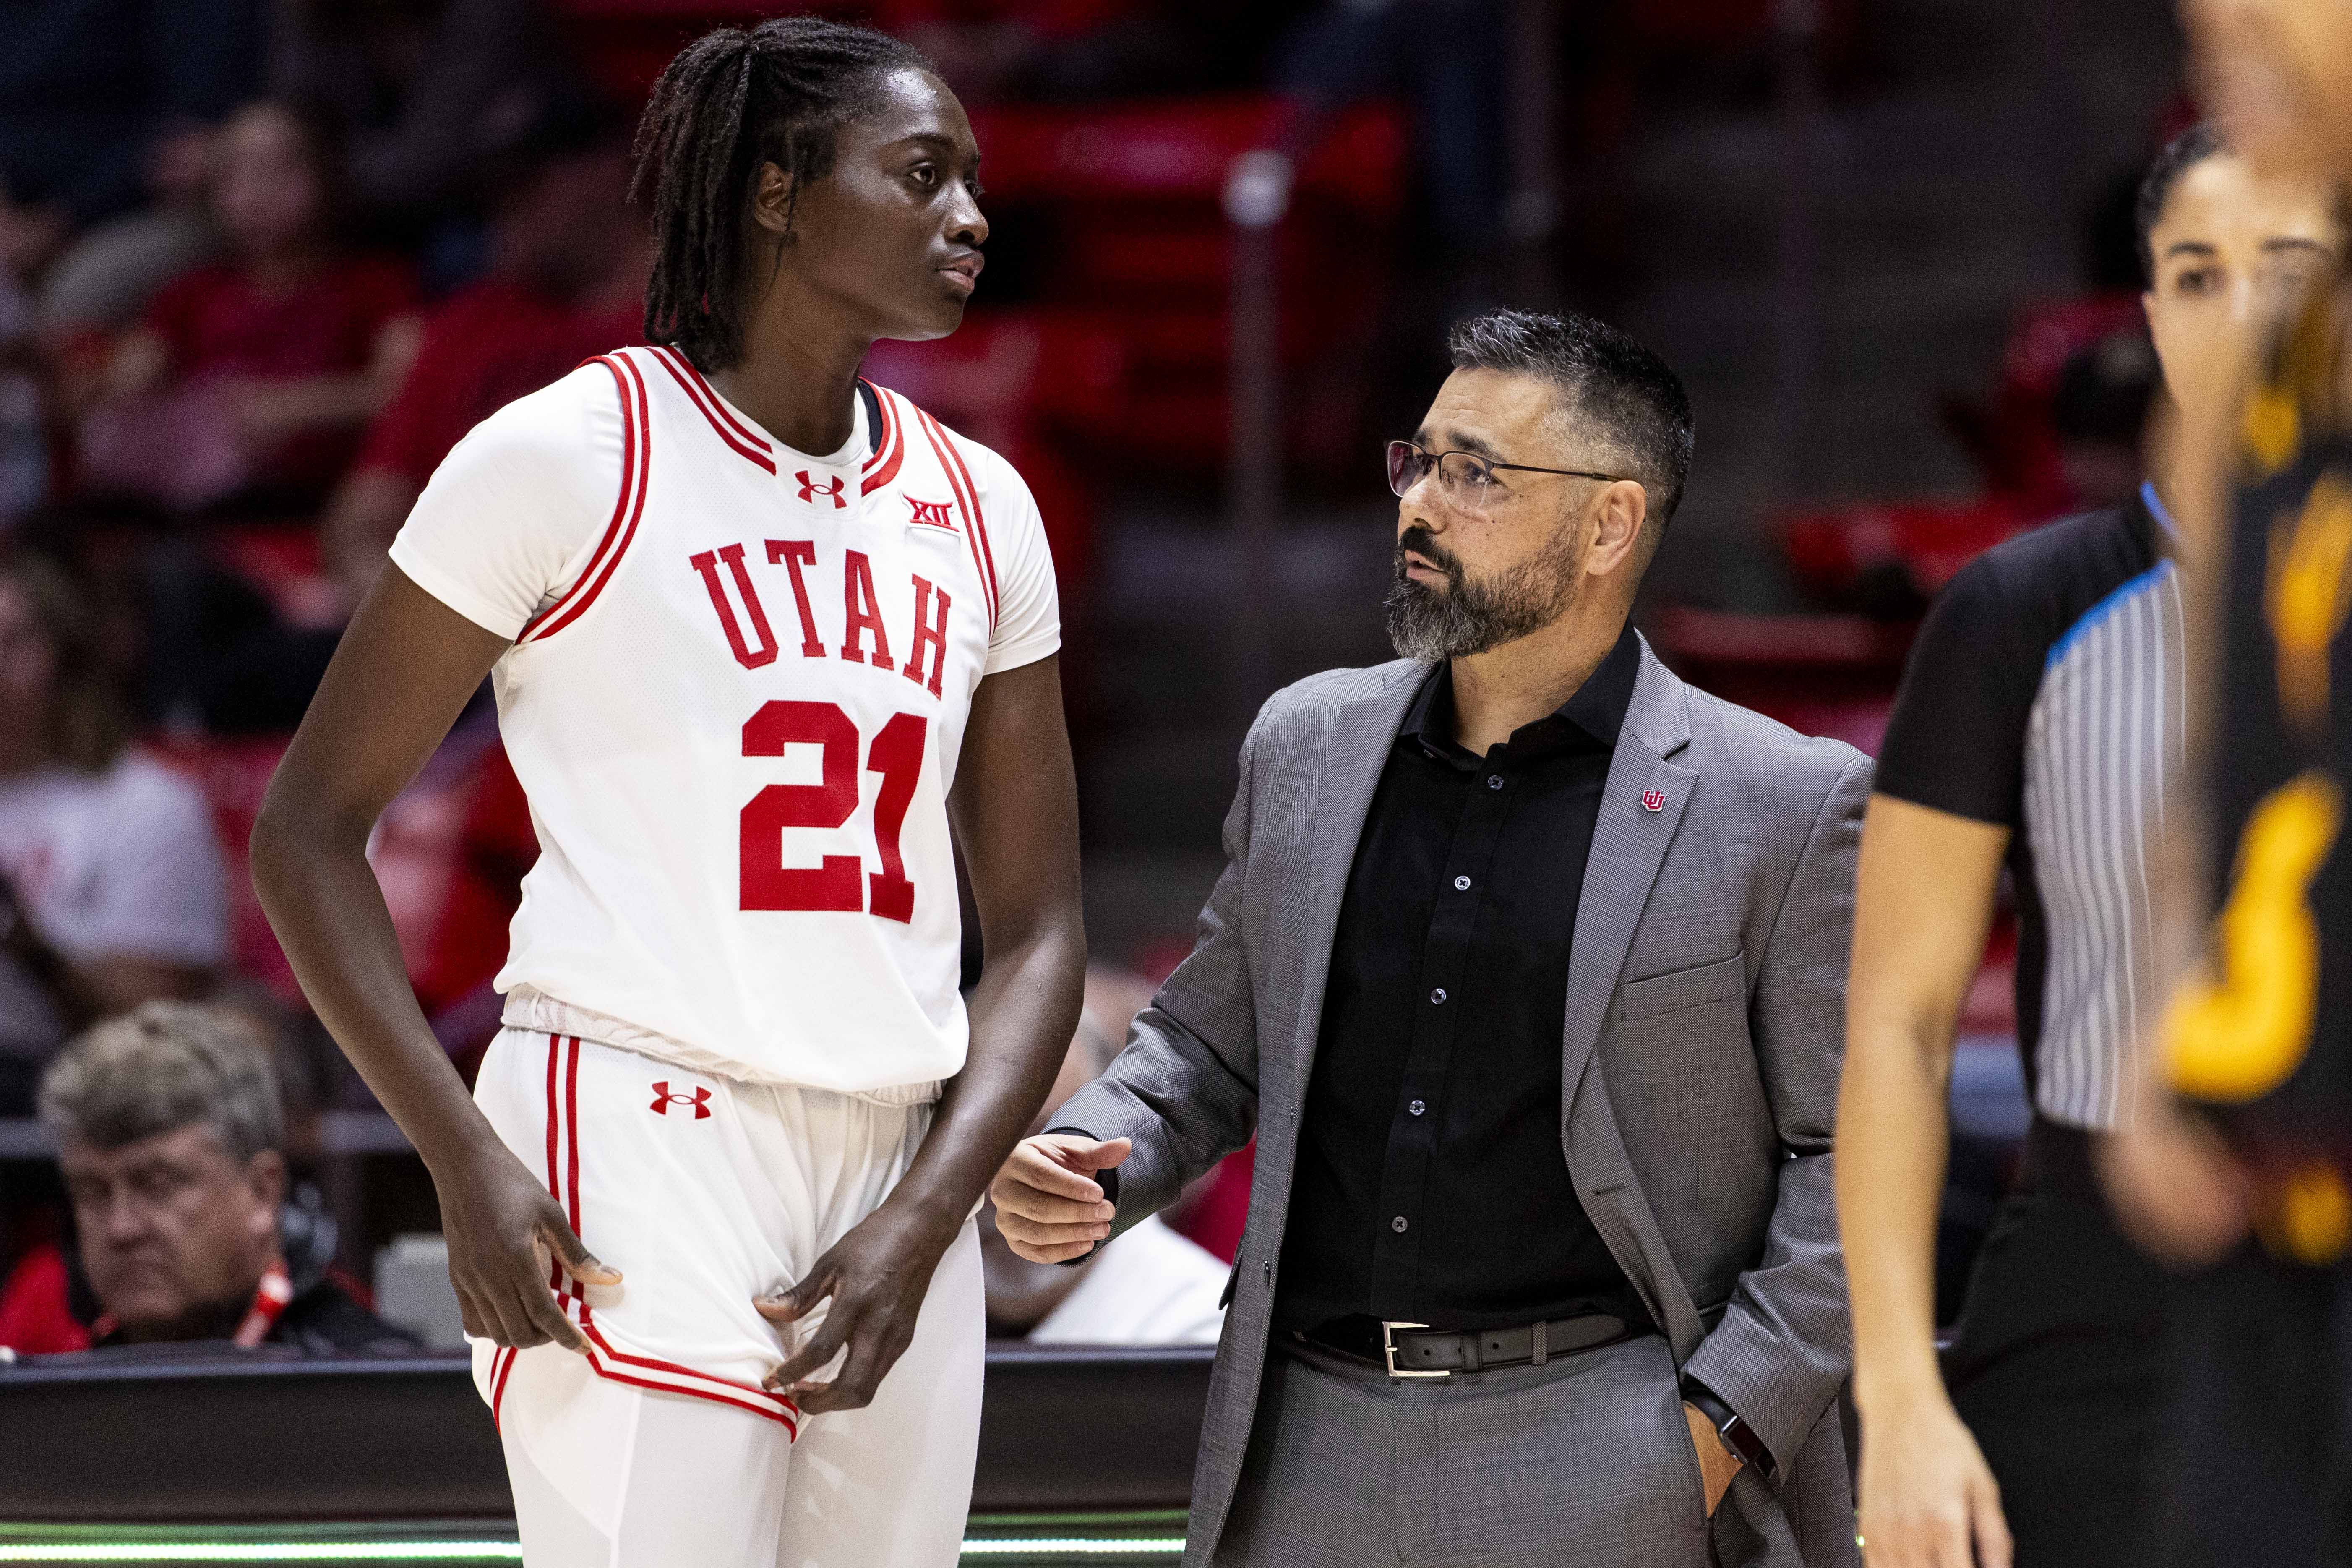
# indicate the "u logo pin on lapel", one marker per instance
pixel 1653 799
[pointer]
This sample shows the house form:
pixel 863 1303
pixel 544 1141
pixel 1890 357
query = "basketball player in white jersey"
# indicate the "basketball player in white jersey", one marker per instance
pixel 759 632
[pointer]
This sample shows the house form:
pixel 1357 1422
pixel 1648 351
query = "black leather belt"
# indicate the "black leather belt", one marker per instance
pixel 1410 1349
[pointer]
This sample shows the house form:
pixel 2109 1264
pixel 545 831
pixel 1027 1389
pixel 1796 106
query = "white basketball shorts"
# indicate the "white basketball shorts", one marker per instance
pixel 659 1447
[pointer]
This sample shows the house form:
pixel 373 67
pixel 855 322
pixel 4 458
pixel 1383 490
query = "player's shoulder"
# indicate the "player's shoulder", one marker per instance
pixel 568 429
pixel 991 475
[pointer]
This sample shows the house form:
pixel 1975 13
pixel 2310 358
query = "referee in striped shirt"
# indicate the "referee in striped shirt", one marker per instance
pixel 2039 730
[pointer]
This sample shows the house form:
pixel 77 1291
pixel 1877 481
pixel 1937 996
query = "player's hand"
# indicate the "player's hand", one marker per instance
pixel 503 1227
pixel 1928 1500
pixel 877 1278
pixel 1049 1208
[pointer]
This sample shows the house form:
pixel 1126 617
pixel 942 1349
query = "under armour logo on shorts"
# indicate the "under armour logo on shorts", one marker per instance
pixel 812 489
pixel 1653 799
pixel 931 513
pixel 664 1099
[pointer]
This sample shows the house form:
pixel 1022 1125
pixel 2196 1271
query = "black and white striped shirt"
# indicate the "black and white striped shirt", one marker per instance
pixel 2045 696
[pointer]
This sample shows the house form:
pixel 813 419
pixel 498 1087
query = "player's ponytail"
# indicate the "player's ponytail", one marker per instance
pixel 731 101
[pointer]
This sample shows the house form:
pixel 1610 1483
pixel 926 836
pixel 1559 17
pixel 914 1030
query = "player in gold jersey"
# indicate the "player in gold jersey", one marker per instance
pixel 2244 1168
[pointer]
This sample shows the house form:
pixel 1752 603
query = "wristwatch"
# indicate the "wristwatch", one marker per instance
pixel 1737 1435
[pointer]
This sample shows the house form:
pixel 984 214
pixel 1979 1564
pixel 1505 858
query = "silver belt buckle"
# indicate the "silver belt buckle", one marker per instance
pixel 1388 1349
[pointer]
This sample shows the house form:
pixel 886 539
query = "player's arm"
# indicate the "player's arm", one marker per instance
pixel 1015 811
pixel 1924 900
pixel 1181 1097
pixel 402 673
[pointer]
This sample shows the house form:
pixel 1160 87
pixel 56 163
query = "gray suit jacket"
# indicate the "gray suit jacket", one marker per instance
pixel 1700 1045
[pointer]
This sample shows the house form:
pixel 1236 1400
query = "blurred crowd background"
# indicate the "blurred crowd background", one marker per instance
pixel 262 262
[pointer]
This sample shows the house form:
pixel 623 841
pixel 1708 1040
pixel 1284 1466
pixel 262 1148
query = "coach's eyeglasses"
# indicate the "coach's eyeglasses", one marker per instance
pixel 1467 479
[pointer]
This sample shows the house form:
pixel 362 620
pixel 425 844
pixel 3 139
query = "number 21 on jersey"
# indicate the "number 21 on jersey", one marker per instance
pixel 834 883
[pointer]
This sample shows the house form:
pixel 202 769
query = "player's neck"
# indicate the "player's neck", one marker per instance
pixel 798 377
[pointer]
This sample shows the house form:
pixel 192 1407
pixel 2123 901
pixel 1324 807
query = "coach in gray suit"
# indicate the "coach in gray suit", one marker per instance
pixel 1525 968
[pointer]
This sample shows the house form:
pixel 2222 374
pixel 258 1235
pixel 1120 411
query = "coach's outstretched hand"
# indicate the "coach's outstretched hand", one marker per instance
pixel 1049 1208
pixel 503 1228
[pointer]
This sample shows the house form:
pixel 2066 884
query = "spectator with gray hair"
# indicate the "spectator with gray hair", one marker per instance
pixel 170 1130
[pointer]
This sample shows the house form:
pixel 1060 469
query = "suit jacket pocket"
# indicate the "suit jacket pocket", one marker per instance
pixel 1723 981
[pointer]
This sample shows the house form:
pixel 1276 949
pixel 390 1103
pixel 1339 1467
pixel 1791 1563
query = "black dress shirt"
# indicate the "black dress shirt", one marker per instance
pixel 1430 1185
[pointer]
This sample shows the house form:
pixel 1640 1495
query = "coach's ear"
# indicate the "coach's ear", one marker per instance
pixel 1619 513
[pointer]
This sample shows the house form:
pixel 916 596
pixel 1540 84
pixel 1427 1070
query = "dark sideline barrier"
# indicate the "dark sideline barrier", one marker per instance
pixel 249 1437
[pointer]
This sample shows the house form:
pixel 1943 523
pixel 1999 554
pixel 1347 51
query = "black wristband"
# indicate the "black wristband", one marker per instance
pixel 1738 1435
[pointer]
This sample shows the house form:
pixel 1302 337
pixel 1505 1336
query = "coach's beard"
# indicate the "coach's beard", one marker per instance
pixel 1466 617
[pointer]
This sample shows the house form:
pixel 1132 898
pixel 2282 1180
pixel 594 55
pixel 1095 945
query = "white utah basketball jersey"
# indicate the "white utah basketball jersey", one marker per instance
pixel 738 688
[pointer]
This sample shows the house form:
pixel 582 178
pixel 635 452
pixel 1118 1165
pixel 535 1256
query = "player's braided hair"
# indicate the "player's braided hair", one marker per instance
pixel 731 101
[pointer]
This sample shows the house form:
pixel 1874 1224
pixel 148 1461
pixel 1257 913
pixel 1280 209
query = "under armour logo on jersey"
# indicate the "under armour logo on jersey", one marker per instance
pixel 664 1099
pixel 812 489
pixel 931 513
pixel 1653 799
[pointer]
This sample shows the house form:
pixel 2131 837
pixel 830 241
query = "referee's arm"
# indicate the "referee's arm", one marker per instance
pixel 1923 905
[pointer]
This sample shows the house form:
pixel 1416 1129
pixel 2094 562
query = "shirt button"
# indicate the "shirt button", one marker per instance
pixel 1397 1225
pixel 1438 996
pixel 1415 1109
pixel 1461 884
pixel 1494 781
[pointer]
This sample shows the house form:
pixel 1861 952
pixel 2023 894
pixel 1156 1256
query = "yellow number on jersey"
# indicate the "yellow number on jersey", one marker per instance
pixel 2309 594
pixel 2312 1222
pixel 2240 1037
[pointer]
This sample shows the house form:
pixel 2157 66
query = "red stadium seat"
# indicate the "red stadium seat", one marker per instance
pixel 1819 674
pixel 1127 364
pixel 1830 549
pixel 2020 445
pixel 284 562
pixel 419 852
pixel 623 45
pixel 1132 199
pixel 495 845
pixel 1825 675
pixel 233 775
pixel 1033 385
pixel 1182 150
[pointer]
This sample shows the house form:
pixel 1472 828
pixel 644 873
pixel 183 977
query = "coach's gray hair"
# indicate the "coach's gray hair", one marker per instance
pixel 1632 397
pixel 162 1067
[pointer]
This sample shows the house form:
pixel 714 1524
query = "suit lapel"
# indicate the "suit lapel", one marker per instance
pixel 1641 807
pixel 1350 752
